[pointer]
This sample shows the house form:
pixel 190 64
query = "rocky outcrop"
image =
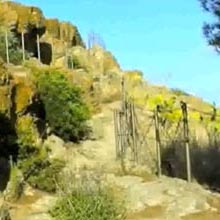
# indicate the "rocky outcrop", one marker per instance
pixel 63 31
pixel 4 77
pixel 16 91
pixel 61 36
pixel 54 36
pixel 24 19
pixel 95 60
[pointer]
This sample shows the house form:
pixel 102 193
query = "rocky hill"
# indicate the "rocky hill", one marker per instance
pixel 30 21
pixel 28 141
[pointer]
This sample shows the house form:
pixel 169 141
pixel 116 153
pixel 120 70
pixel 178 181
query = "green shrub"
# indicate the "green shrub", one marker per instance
pixel 88 202
pixel 46 176
pixel 66 113
pixel 74 63
pixel 27 135
pixel 40 172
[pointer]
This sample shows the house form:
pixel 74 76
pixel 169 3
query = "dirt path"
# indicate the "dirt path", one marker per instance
pixel 167 198
pixel 146 198
pixel 33 205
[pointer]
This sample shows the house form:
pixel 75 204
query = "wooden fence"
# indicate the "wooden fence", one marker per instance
pixel 129 133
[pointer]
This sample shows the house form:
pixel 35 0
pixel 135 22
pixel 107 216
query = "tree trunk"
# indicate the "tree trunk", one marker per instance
pixel 38 47
pixel 6 47
pixel 23 45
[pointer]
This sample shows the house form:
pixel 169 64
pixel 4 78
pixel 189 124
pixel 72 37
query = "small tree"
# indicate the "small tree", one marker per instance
pixel 212 31
pixel 65 111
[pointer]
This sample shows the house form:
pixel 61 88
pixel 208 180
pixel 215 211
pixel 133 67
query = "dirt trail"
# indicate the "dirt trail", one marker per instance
pixel 33 205
pixel 146 198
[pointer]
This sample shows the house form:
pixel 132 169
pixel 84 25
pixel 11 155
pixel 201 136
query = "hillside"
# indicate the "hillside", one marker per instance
pixel 57 99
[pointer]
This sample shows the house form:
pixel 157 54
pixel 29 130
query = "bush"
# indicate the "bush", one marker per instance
pixel 74 63
pixel 39 171
pixel 46 176
pixel 27 135
pixel 88 202
pixel 65 111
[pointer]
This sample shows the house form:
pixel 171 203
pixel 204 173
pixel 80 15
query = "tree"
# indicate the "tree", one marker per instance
pixel 212 30
pixel 66 113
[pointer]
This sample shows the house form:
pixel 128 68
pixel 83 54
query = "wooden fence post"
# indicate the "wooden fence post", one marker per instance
pixel 186 140
pixel 123 95
pixel 122 136
pixel 158 141
pixel 133 133
pixel 117 138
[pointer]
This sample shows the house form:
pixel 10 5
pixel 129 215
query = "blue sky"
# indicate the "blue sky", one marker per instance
pixel 161 38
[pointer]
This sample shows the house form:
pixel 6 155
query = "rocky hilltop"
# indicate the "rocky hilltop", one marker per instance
pixel 28 141
pixel 32 22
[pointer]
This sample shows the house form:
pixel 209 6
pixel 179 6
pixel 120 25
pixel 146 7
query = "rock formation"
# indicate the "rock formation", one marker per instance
pixel 30 22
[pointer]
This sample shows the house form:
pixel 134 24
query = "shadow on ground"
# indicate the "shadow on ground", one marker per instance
pixel 205 162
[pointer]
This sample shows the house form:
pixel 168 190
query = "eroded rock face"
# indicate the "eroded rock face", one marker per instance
pixel 24 16
pixel 96 60
pixel 31 22
pixel 24 19
pixel 61 36
pixel 4 75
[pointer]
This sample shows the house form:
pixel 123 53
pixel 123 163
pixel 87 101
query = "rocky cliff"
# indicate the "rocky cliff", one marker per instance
pixel 54 35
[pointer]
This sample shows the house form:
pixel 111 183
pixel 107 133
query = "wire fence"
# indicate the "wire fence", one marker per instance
pixel 145 135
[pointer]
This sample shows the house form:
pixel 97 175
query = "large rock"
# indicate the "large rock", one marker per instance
pixel 60 36
pixel 56 147
pixel 27 19
pixel 24 17
pixel 96 60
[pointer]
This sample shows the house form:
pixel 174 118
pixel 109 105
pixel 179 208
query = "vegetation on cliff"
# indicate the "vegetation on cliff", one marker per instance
pixel 65 111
